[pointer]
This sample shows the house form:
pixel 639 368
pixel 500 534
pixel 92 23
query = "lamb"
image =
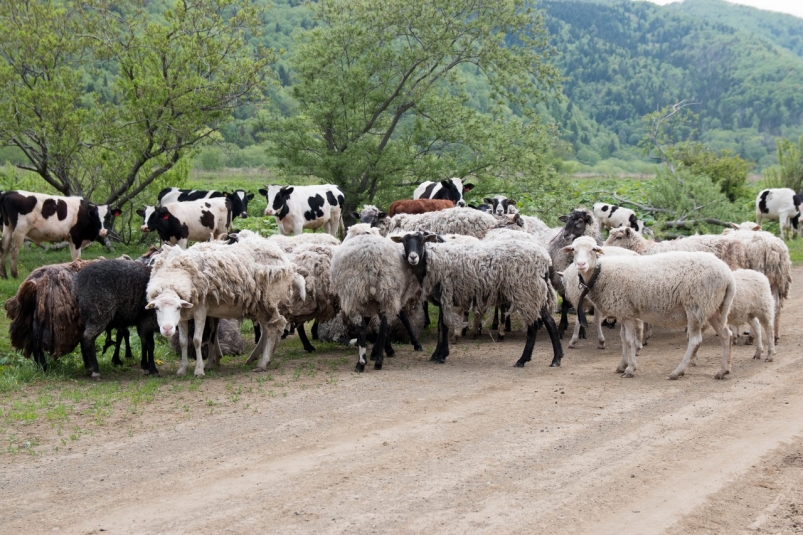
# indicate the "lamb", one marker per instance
pixel 455 221
pixel 571 284
pixel 725 248
pixel 251 278
pixel 370 278
pixel 688 288
pixel 345 330
pixel 754 304
pixel 769 255
pixel 466 276
pixel 44 316
pixel 111 294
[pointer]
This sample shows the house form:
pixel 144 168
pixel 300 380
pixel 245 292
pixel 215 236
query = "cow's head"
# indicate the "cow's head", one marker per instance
pixel 147 215
pixel 107 215
pixel 453 189
pixel 501 205
pixel 277 197
pixel 239 202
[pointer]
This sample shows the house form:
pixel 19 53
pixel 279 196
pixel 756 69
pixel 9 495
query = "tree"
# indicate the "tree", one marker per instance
pixel 175 75
pixel 383 100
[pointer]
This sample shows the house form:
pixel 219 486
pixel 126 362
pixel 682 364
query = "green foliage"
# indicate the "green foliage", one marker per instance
pixel 104 98
pixel 384 98
pixel 789 171
pixel 726 170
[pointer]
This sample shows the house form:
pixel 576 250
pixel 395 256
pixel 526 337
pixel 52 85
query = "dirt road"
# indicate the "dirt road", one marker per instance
pixel 472 446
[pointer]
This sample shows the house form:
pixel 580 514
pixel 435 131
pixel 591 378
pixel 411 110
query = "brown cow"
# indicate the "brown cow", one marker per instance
pixel 418 206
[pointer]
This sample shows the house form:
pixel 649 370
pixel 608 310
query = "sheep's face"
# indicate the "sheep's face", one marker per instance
pixel 371 215
pixel 622 237
pixel 575 224
pixel 168 307
pixel 414 248
pixel 585 251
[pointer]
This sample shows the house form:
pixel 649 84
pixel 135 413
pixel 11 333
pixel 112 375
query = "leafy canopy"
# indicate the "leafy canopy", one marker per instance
pixel 104 97
pixel 382 97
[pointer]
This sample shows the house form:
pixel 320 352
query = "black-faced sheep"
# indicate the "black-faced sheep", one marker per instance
pixel 684 288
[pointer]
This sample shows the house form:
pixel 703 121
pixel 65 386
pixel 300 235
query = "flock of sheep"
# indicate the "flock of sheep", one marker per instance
pixel 375 283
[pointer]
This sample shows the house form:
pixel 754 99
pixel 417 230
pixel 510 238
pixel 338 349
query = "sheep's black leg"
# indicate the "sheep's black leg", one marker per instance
pixel 549 322
pixel 389 351
pixel 314 330
pixel 38 352
pixel 381 338
pixel 148 362
pixel 108 343
pixel 127 340
pixel 464 331
pixel 527 354
pixel 507 318
pixel 442 349
pixel 88 350
pixel 495 322
pixel 257 332
pixel 407 327
pixel 564 319
pixel 426 315
pixel 361 330
pixel 302 335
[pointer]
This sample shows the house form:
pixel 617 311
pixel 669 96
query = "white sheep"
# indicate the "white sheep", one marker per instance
pixel 251 278
pixel 289 243
pixel 370 278
pixel 571 283
pixel 453 221
pixel 460 277
pixel 767 254
pixel 755 305
pixel 682 288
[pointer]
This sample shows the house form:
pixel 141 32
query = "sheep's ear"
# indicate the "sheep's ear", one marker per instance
pixel 568 249
pixel 432 237
pixel 563 219
pixel 560 273
pixel 185 304
pixel 397 239
pixel 758 227
pixel 629 232
pixel 150 305
pixel 381 215
pixel 356 215
pixel 734 225
pixel 598 250
pixel 514 202
pixel 487 200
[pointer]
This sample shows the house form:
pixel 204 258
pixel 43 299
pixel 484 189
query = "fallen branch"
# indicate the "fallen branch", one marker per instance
pixel 692 223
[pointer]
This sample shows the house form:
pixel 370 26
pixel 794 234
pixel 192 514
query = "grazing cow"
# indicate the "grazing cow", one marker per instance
pixel 418 206
pixel 613 216
pixel 50 218
pixel 500 205
pixel 180 222
pixel 452 189
pixel 238 198
pixel 298 207
pixel 780 204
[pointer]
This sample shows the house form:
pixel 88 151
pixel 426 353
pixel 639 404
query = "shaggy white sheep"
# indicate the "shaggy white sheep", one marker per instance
pixel 683 288
pixel 754 304
pixel 251 278
pixel 454 221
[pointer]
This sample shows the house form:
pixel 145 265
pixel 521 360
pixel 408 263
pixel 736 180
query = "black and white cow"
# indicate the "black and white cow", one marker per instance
pixel 452 189
pixel 782 205
pixel 613 216
pixel 50 218
pixel 180 222
pixel 501 205
pixel 298 207
pixel 238 198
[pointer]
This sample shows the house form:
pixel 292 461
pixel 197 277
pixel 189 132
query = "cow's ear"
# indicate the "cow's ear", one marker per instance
pixel 446 183
pixel 468 187
pixel 249 196
pixel 487 200
pixel 263 191
pixel 116 212
pixel 288 190
pixel 141 212
pixel 563 219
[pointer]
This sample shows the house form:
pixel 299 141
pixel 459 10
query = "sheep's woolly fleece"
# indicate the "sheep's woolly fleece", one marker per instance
pixel 475 276
pixel 289 243
pixel 754 300
pixel 313 262
pixel 458 220
pixel 767 254
pixel 725 248
pixel 253 274
pixel 371 276
pixel 47 295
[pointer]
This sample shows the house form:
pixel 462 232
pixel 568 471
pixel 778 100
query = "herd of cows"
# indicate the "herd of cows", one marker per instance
pixel 435 248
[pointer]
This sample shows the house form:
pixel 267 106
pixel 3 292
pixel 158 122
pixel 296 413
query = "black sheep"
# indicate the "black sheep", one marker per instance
pixel 112 295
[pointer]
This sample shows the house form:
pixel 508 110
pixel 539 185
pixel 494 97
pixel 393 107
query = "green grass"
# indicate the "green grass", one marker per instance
pixel 796 251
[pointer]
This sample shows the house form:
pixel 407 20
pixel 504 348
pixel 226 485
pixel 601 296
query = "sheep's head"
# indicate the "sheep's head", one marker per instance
pixel 361 229
pixel 624 237
pixel 414 248
pixel 168 307
pixel 576 223
pixel 371 215
pixel 747 225
pixel 585 251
